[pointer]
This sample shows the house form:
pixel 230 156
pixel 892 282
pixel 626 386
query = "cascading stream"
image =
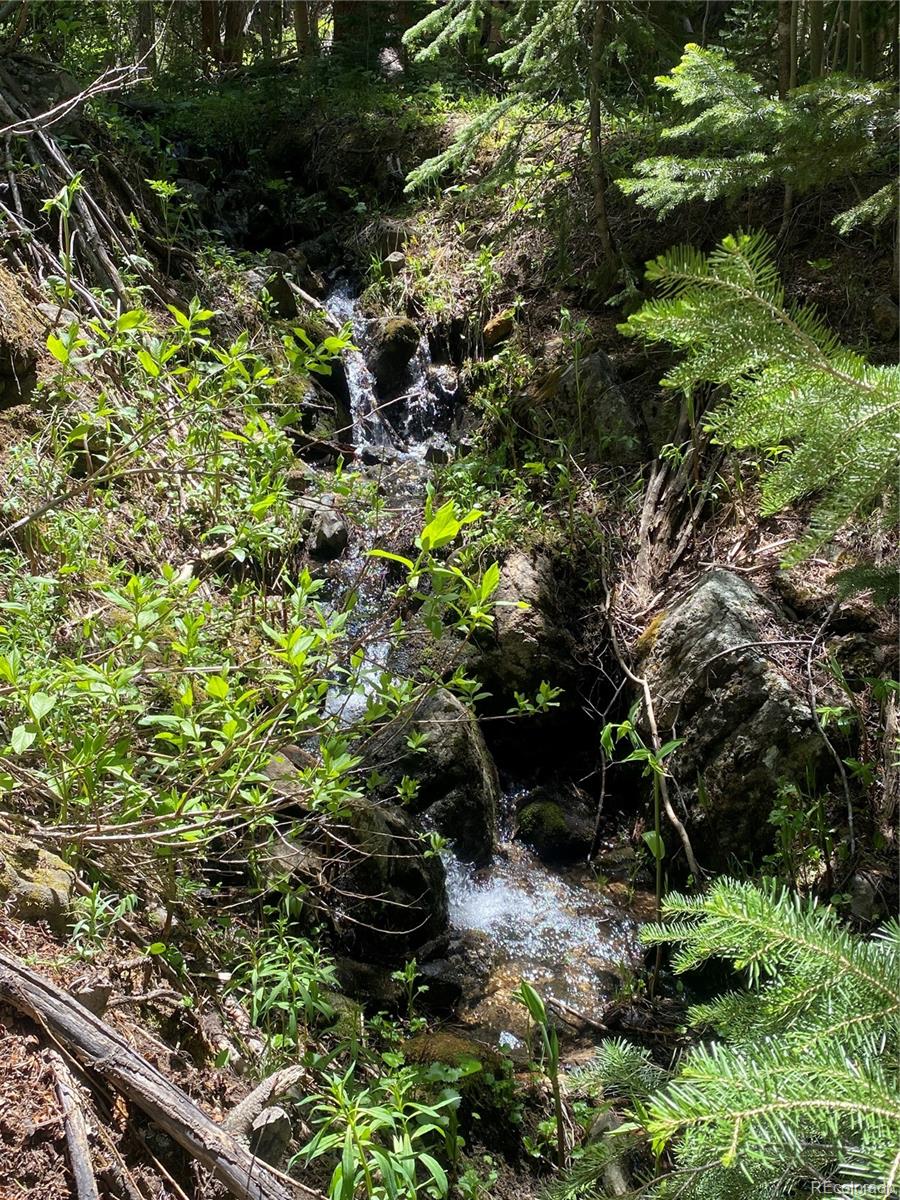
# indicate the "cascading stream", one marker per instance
pixel 554 928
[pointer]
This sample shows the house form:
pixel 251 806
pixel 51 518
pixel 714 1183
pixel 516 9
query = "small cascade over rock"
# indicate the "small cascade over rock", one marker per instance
pixel 511 915
pixel 401 404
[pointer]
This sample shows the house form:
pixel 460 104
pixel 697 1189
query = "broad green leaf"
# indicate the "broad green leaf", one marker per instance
pixel 407 562
pixel 58 349
pixel 217 687
pixel 656 844
pixel 21 738
pixel 40 704
pixel 148 363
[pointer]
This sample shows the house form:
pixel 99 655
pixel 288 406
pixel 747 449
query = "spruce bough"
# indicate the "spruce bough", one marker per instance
pixel 827 417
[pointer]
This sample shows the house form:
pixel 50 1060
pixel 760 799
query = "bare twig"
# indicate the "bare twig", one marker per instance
pixel 655 742
pixel 845 783
pixel 114 79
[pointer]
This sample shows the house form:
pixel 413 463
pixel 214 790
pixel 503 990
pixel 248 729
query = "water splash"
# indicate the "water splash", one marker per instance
pixel 532 913
pixel 410 426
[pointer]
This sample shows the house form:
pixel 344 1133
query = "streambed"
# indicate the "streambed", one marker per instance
pixel 571 936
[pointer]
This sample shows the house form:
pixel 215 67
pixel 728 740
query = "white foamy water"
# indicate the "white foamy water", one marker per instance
pixel 563 937
pixel 412 415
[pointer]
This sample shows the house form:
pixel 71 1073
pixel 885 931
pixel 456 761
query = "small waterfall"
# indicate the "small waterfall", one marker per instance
pixel 555 928
pixel 413 425
pixel 369 429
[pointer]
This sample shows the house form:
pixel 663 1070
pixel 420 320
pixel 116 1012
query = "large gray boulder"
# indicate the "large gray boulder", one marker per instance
pixel 367 868
pixel 458 789
pixel 747 727
pixel 528 642
pixel 591 393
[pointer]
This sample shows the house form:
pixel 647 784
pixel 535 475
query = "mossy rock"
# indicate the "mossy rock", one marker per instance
pixel 35 885
pixel 451 1049
pixel 553 832
pixel 394 342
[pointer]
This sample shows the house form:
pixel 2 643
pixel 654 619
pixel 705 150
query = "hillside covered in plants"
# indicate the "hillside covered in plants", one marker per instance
pixel 449 673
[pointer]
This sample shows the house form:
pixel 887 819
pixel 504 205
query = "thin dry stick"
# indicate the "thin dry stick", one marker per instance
pixel 655 742
pixel 112 80
pixel 821 728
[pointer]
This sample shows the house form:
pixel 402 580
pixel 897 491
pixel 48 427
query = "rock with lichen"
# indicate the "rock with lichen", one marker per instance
pixel 35 885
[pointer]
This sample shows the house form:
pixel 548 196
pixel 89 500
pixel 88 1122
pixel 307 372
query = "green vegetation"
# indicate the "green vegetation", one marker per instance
pixel 639 264
pixel 799 1082
pixel 825 416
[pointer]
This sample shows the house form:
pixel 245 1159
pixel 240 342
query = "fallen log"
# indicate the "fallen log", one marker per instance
pixel 102 1050
pixel 79 1147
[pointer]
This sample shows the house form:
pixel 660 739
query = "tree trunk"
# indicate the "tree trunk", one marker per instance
pixel 264 17
pixel 816 37
pixel 209 29
pixel 233 46
pixel 105 1052
pixel 786 73
pixel 146 39
pixel 784 47
pixel 303 27
pixel 852 27
pixel 598 166
pixel 869 29
pixel 838 29
pixel 792 74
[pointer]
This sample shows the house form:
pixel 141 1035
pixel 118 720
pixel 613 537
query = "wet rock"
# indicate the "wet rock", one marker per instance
pixel 747 728
pixel 444 383
pixel 452 1050
pixel 393 897
pixel 885 317
pixel 527 644
pixel 486 1085
pixel 456 973
pixel 556 824
pixel 375 888
pixel 497 330
pixel 394 341
pixel 437 455
pixel 370 983
pixel 328 535
pixel 35 885
pixel 394 264
pixel 592 395
pixel 458 787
